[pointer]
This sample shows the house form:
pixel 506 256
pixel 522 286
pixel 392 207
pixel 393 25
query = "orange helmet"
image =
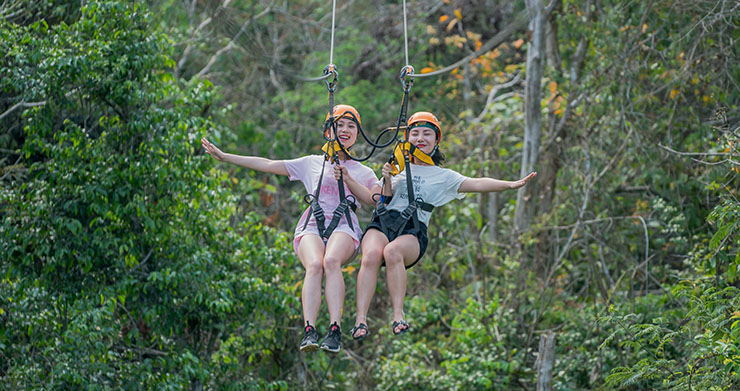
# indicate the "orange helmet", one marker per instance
pixel 425 119
pixel 342 111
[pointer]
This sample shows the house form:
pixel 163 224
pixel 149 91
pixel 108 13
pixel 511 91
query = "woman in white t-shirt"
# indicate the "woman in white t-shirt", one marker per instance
pixel 321 253
pixel 400 243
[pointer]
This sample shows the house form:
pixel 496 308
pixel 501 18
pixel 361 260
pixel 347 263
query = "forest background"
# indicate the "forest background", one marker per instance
pixel 131 260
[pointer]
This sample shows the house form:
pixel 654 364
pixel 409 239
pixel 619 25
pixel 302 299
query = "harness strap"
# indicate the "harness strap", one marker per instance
pixel 410 212
pixel 381 212
pixel 347 205
pixel 341 209
pixel 344 207
pixel 313 201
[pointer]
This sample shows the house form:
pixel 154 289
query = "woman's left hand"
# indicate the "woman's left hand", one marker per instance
pixel 524 180
pixel 212 150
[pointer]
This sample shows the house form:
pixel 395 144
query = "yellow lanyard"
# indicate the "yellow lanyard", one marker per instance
pixel 404 148
pixel 331 148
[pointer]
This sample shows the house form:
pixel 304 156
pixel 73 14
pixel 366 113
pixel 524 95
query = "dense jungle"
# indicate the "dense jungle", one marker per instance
pixel 132 260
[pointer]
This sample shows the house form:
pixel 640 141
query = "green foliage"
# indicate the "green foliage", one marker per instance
pixel 127 261
pixel 472 353
pixel 698 345
pixel 727 218
pixel 695 346
pixel 120 267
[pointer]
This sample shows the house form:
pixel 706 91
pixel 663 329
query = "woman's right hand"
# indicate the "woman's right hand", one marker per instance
pixel 212 150
pixel 341 172
pixel 386 171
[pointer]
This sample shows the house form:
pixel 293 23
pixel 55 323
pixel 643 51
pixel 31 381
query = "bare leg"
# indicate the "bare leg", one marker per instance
pixel 400 252
pixel 339 250
pixel 372 257
pixel 311 254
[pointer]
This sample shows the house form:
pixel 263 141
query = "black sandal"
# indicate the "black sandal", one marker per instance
pixel 361 326
pixel 400 323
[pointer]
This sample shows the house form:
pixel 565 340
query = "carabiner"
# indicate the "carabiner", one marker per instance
pixel 331 69
pixel 407 77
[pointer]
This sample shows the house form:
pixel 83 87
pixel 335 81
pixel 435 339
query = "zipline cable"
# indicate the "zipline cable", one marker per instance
pixel 333 13
pixel 405 35
pixel 330 68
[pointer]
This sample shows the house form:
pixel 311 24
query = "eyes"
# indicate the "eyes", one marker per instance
pixel 422 132
pixel 345 123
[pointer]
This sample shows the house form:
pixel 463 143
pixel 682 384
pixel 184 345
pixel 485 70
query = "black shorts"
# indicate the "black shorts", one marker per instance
pixel 420 232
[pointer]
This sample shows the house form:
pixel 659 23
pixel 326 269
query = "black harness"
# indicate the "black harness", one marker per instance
pixel 392 228
pixel 347 205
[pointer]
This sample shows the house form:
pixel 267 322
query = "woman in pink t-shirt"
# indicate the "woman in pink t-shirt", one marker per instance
pixel 318 253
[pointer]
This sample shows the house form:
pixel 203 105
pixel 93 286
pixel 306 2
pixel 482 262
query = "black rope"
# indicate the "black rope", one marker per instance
pixel 407 81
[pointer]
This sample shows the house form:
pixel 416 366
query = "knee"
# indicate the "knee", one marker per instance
pixel 314 269
pixel 372 258
pixel 392 257
pixel 332 263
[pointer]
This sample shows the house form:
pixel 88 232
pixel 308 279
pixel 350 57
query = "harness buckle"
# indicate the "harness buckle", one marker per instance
pixel 409 211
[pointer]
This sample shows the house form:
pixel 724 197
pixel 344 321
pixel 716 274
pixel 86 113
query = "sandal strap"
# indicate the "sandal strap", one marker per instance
pixel 401 322
pixel 361 326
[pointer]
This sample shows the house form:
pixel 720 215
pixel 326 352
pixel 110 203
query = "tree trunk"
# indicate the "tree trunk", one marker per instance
pixel 545 362
pixel 527 195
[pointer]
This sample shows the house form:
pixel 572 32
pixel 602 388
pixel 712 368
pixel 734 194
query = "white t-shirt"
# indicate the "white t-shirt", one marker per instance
pixel 434 185
pixel 307 169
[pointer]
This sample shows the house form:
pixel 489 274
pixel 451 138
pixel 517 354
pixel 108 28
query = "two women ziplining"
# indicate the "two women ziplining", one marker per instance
pixel 397 235
pixel 399 246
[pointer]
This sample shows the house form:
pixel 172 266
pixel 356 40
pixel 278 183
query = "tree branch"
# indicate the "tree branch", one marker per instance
pixel 497 39
pixel 200 27
pixel 702 154
pixel 21 104
pixel 493 93
pixel 231 44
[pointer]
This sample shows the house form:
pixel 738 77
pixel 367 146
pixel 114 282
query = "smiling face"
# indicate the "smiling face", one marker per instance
pixel 423 138
pixel 347 132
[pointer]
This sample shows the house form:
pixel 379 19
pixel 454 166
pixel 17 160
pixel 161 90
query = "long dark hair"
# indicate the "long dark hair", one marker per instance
pixel 438 157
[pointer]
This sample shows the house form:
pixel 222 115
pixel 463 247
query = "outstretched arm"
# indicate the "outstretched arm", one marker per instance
pixel 362 193
pixel 252 162
pixel 485 185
